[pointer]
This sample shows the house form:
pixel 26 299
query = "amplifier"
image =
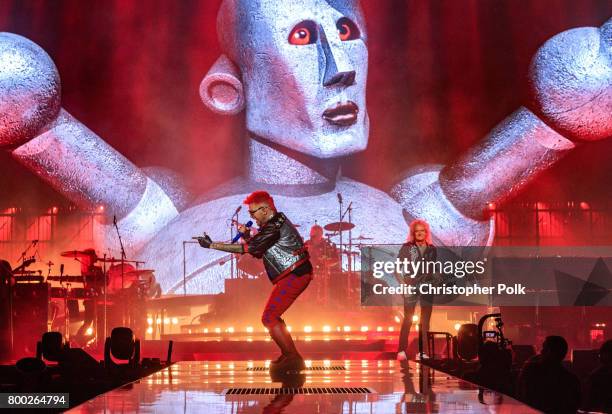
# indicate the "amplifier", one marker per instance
pixel 30 315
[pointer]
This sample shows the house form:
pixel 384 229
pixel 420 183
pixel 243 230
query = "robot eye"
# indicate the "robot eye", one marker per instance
pixel 304 33
pixel 347 29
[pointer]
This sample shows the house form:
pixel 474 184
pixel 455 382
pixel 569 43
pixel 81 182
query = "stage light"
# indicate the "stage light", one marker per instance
pixel 326 328
pixel 415 318
pixel 379 329
pixel 364 329
pixel 391 329
pixel 158 321
pixel 149 321
pixel 346 328
pixel 150 330
pixel 100 208
pixel 397 319
pixel 89 331
pixel 289 328
pixel 174 321
pixel 217 330
pixel 230 329
pixel 457 326
pixel 54 210
pixel 307 328
pixel 166 321
pixel 249 329
pixel 205 330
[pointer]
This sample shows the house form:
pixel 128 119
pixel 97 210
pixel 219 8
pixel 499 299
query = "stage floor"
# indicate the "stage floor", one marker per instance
pixel 379 386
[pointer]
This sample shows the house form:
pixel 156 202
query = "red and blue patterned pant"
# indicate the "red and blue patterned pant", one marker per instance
pixel 284 293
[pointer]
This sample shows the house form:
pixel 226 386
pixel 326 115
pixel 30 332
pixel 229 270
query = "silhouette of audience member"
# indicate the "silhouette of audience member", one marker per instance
pixel 599 382
pixel 495 369
pixel 545 384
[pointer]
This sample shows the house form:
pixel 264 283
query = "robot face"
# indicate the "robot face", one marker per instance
pixel 304 69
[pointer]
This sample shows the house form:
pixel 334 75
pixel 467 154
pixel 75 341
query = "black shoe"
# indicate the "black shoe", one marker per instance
pixel 293 362
pixel 274 364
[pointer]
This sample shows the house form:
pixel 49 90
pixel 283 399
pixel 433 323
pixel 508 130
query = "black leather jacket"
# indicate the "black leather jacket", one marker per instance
pixel 410 251
pixel 281 247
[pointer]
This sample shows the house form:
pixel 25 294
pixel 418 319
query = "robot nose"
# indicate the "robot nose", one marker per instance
pixel 338 68
pixel 341 79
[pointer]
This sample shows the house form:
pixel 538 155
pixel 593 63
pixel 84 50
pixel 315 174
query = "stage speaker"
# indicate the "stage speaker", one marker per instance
pixel 30 313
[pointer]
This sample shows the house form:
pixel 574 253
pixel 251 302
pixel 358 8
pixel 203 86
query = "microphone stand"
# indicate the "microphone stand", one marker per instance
pixel 22 258
pixel 123 258
pixel 234 262
pixel 341 216
pixel 349 210
pixel 104 282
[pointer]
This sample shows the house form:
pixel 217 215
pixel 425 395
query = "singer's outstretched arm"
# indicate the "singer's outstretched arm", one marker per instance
pixel 227 247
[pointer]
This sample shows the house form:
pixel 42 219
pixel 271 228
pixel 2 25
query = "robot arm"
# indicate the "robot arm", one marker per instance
pixel 571 88
pixel 70 157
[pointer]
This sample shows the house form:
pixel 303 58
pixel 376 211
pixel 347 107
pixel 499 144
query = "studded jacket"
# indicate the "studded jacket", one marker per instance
pixel 281 247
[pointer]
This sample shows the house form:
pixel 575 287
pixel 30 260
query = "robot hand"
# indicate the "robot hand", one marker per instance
pixel 571 83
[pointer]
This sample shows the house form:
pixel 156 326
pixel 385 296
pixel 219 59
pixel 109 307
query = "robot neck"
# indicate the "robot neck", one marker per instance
pixel 269 163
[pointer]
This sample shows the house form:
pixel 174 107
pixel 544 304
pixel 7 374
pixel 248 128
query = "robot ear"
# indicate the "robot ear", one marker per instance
pixel 221 89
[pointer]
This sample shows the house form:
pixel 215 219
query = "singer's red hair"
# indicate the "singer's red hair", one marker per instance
pixel 260 197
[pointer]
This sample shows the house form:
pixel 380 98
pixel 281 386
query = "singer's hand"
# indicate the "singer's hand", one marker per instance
pixel 242 228
pixel 205 241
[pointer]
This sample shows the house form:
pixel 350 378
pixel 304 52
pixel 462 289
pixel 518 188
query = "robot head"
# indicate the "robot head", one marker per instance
pixel 299 68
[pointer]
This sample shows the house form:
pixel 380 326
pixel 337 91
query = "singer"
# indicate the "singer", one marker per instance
pixel 287 264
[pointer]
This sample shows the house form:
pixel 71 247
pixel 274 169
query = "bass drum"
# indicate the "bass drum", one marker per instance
pixel 114 278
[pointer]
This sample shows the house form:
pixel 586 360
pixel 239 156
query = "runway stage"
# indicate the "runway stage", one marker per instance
pixel 346 386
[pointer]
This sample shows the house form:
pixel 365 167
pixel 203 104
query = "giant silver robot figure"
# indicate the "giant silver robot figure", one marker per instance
pixel 299 70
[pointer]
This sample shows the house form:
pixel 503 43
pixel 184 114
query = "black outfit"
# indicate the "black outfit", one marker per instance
pixel 281 247
pixel 411 251
pixel 548 386
pixel 599 388
pixel 94 278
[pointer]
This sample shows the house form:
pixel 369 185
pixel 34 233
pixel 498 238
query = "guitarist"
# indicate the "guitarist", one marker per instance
pixel 418 247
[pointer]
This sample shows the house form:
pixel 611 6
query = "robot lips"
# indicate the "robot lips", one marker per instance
pixel 343 114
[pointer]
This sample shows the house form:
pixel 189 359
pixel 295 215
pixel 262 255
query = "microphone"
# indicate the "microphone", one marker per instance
pixel 237 210
pixel 239 235
pixel 114 220
pixel 62 269
pixel 340 198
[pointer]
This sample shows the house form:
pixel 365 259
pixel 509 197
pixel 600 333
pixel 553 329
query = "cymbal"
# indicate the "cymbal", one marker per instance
pixel 113 260
pixel 75 254
pixel 339 226
pixel 139 272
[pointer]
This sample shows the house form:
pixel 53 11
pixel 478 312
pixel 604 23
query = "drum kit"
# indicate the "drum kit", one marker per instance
pixel 334 264
pixel 117 289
